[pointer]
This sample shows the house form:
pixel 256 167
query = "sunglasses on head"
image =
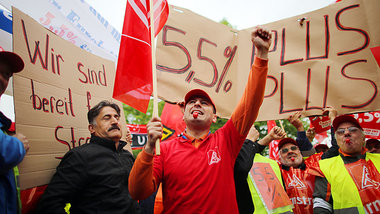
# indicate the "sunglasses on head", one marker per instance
pixel 293 148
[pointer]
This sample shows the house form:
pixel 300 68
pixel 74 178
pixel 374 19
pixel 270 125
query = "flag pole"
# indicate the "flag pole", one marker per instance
pixel 154 73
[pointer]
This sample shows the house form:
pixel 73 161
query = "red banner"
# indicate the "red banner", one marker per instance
pixel 370 122
pixel 139 135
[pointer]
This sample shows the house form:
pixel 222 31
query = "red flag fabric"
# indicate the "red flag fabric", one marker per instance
pixel 133 80
pixel 273 146
pixel 376 53
pixel 172 119
pixel 321 137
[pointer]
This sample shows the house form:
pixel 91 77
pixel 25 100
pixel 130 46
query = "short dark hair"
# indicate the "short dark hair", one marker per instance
pixel 94 111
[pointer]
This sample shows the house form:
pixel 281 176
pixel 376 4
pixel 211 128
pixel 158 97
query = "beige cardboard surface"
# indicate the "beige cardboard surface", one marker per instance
pixel 53 94
pixel 326 61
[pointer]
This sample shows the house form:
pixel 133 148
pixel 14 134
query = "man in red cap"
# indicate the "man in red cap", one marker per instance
pixel 196 169
pixel 350 182
pixel 12 149
pixel 373 145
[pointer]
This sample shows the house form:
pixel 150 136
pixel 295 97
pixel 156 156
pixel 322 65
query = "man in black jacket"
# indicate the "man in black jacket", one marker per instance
pixel 93 178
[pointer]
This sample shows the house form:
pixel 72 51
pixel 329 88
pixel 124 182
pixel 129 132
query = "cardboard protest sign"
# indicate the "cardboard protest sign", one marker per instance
pixel 316 60
pixel 59 84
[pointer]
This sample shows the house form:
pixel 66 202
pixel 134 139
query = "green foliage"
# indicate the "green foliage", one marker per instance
pixel 133 116
pixel 225 22
pixel 219 123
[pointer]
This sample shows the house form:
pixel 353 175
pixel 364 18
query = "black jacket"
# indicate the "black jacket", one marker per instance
pixel 93 178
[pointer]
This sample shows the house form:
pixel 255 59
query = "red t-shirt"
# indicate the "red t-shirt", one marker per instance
pixel 200 179
pixel 192 175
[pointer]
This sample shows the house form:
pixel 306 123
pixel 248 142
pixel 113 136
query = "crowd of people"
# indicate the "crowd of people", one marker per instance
pixel 200 171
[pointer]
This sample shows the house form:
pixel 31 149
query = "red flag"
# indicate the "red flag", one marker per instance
pixel 321 137
pixel 133 80
pixel 172 119
pixel 273 146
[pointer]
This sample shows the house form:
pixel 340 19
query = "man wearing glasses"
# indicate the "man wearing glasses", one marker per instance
pixel 296 171
pixel 350 182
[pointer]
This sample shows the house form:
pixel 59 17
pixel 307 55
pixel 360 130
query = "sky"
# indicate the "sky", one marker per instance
pixel 239 13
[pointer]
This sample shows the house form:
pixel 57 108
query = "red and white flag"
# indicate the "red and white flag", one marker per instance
pixel 133 80
pixel 273 146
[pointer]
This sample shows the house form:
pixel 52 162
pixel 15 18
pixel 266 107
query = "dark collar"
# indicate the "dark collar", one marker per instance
pixel 351 159
pixel 107 143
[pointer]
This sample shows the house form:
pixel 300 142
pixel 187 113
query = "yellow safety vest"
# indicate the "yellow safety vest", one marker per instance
pixel 344 192
pixel 257 202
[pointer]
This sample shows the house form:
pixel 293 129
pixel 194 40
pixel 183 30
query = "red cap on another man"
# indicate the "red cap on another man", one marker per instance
pixel 199 93
pixel 14 61
pixel 345 118
pixel 285 141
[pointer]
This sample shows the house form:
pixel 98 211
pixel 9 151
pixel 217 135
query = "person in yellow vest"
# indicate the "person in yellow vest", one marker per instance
pixel 247 196
pixel 350 182
pixel 299 184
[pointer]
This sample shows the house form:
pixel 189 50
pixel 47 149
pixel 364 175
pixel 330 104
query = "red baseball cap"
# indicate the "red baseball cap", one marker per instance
pixel 285 141
pixel 345 118
pixel 198 93
pixel 13 60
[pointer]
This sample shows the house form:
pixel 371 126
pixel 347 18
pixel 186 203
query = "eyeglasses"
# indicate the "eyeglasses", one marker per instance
pixel 293 148
pixel 351 130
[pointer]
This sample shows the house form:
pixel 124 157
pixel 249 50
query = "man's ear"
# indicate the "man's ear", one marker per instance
pixel 91 128
pixel 214 118
pixel 182 106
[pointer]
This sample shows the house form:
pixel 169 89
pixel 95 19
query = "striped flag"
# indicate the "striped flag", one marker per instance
pixel 273 146
pixel 133 80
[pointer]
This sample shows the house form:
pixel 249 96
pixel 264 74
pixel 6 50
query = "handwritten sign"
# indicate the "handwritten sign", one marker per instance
pixel 323 61
pixel 269 187
pixel 59 84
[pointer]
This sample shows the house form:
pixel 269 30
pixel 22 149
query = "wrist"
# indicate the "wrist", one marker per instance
pixel 149 149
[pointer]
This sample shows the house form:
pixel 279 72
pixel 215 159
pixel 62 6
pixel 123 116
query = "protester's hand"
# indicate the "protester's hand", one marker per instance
pixel 154 129
pixel 277 133
pixel 129 136
pixel 310 133
pixel 24 140
pixel 262 39
pixel 294 119
pixel 331 112
pixel 253 134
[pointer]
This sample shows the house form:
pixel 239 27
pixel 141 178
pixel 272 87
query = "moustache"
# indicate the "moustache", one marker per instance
pixel 114 127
